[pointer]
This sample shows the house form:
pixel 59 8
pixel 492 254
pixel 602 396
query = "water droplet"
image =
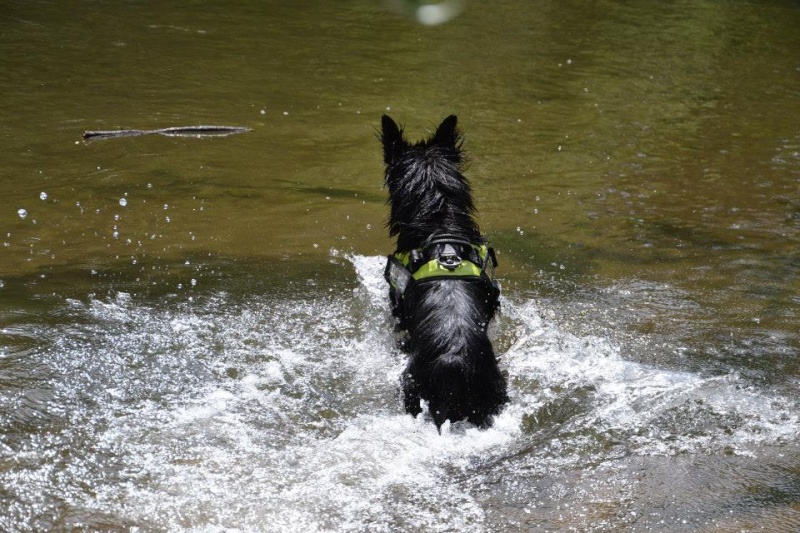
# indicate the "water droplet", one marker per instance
pixel 22 213
pixel 43 195
pixel 123 202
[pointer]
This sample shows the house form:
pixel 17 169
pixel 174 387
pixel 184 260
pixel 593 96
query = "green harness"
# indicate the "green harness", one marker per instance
pixel 442 258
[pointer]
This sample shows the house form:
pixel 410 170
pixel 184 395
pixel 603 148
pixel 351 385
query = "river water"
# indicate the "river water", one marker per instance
pixel 194 332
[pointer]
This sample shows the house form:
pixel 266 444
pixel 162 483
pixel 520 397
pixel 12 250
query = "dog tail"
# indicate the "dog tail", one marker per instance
pixel 450 379
pixel 461 388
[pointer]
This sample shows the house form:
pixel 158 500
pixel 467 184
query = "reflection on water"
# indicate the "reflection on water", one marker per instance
pixel 181 350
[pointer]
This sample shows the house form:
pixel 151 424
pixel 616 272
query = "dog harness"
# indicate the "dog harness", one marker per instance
pixel 443 257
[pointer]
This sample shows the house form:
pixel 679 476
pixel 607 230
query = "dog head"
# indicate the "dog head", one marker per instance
pixel 445 142
pixel 427 191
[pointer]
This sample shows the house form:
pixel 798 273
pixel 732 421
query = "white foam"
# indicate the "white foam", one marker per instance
pixel 285 415
pixel 369 270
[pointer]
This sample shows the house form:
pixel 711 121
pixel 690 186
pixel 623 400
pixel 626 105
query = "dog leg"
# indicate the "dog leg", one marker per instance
pixel 411 395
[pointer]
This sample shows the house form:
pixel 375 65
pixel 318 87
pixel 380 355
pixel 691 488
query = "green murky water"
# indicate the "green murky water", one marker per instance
pixel 192 330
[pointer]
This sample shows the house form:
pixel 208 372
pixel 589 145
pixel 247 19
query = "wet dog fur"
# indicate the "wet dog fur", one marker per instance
pixel 452 364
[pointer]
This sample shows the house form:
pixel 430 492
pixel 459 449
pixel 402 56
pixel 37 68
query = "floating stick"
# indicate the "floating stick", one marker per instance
pixel 182 131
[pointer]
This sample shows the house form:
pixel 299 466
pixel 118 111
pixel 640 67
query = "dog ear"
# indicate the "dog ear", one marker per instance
pixel 392 139
pixel 447 133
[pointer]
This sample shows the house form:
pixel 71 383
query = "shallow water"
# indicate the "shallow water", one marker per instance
pixel 194 333
pixel 223 412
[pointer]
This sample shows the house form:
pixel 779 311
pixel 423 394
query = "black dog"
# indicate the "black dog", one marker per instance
pixel 442 291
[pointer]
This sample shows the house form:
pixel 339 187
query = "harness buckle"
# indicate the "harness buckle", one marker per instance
pixel 449 258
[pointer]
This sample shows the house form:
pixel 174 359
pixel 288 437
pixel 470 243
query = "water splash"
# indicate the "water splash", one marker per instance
pixel 284 415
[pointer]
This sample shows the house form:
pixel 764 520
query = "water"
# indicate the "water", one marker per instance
pixel 254 413
pixel 194 332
